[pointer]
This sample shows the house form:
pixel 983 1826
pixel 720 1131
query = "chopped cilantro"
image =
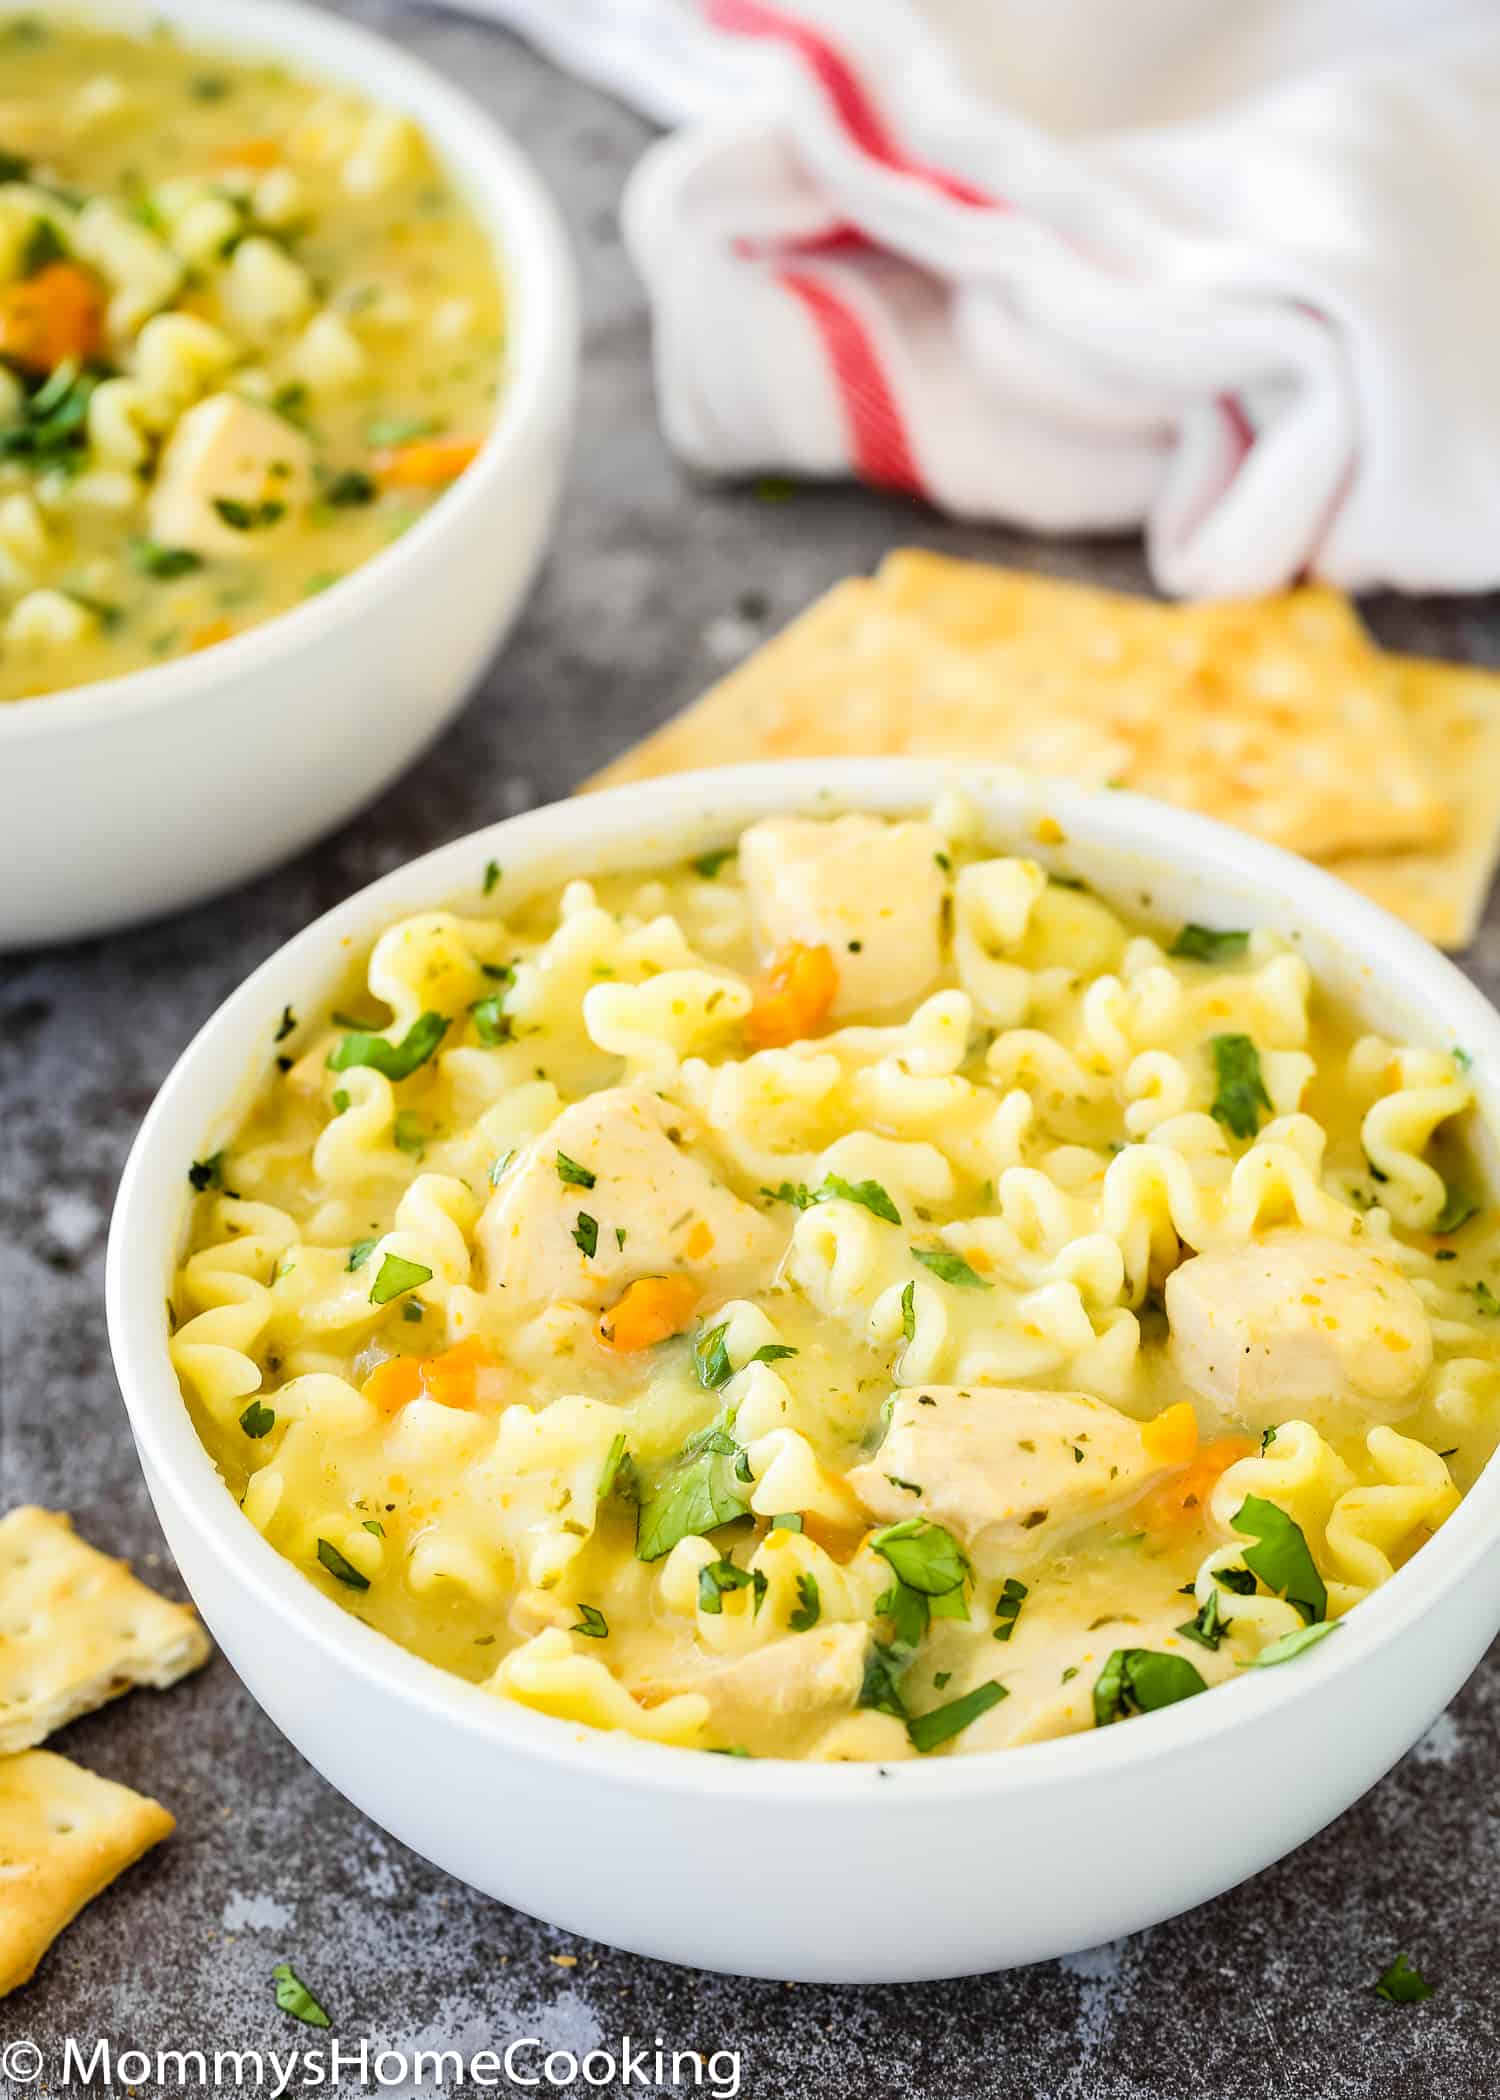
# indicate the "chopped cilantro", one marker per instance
pixel 1241 1091
pixel 704 1488
pixel 374 1526
pixel 941 1723
pixel 408 1135
pixel 1402 1984
pixel 360 1253
pixel 951 1268
pixel 586 1235
pixel 711 1359
pixel 1486 1300
pixel 397 1274
pixel 809 1605
pixel 721 1576
pixel 923 1555
pixel 351 490
pixel 394 1060
pixel 341 1570
pixel 249 517
pixel 909 1312
pixel 293 1996
pixel 618 1474
pixel 1293 1643
pixel 709 864
pixel 164 563
pixel 772 1353
pixel 258 1420
pixel 868 1193
pixel 207 1173
pixel 491 876
pixel 1280 1556
pixel 569 1172
pixel 1008 1607
pixel 592 1624
pixel 1140 1681
pixel 1203 944
pixel 881 1689
pixel 1209 1626
pixel 492 1023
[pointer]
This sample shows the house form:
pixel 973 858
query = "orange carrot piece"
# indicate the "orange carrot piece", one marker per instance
pixel 452 1379
pixel 251 153
pixel 211 634
pixel 52 318
pixel 392 1384
pixel 1183 1498
pixel 426 463
pixel 651 1310
pixel 1171 1438
pixel 795 997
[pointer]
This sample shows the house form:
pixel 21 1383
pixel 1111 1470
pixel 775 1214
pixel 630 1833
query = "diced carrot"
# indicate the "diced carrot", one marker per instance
pixel 1183 1498
pixel 210 634
pixel 52 318
pixel 392 1384
pixel 795 997
pixel 699 1242
pixel 250 153
pixel 426 463
pixel 1171 1438
pixel 651 1310
pixel 453 1379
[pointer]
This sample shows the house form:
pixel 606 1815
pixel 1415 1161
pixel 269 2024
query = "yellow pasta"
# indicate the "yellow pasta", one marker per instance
pixel 633 1319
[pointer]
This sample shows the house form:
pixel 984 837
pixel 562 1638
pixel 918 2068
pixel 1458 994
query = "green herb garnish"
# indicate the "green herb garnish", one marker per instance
pixel 1280 1556
pixel 1294 1643
pixel 939 1725
pixel 809 1605
pixel 397 1274
pixel 951 1268
pixel 586 1235
pixel 1141 1681
pixel 711 1359
pixel 341 1570
pixel 163 562
pixel 360 1253
pixel 1241 1091
pixel 593 1624
pixel 207 1173
pixel 569 1172
pixel 923 1555
pixel 293 1996
pixel 395 1061
pixel 1203 944
pixel 708 864
pixel 1008 1607
pixel 258 1420
pixel 249 517
pixel 706 1487
pixel 1402 1984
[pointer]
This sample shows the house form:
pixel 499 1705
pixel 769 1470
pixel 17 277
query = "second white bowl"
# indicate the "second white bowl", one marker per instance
pixel 145 793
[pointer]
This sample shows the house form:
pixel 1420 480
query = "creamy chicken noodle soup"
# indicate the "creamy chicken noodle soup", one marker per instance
pixel 248 333
pixel 852 1296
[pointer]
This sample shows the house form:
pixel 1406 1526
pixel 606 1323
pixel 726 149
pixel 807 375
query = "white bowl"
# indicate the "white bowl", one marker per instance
pixel 844 1873
pixel 144 793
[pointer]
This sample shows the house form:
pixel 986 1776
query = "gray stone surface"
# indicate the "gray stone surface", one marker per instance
pixel 653 585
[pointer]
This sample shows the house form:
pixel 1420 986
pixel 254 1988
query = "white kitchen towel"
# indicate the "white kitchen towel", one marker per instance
pixel 1229 274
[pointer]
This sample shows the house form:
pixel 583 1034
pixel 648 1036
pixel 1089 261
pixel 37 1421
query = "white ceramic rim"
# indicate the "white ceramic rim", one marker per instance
pixel 694 809
pixel 541 333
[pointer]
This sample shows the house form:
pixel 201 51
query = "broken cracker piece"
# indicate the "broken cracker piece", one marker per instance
pixel 65 1835
pixel 77 1628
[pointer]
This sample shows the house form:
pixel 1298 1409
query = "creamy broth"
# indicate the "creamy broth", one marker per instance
pixel 851 1296
pixel 249 332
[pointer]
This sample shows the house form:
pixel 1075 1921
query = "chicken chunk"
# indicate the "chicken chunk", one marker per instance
pixel 1296 1324
pixel 650 1209
pixel 233 475
pixel 794 1679
pixel 870 892
pixel 1012 1474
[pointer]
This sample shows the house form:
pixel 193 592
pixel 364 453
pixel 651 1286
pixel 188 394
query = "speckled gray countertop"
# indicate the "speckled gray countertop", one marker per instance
pixel 653 586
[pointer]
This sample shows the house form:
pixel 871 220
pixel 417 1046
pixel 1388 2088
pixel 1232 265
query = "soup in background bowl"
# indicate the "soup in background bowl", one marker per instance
pixel 249 332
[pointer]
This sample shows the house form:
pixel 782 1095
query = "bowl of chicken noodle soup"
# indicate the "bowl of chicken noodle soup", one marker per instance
pixel 286 344
pixel 949 1322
